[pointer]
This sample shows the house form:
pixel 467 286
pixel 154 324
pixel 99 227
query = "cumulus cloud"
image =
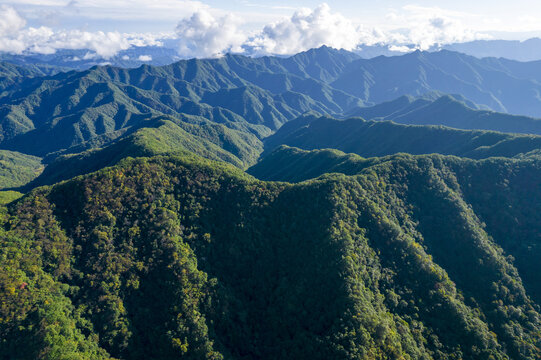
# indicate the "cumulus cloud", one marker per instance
pixel 307 29
pixel 44 40
pixel 104 44
pixel 433 26
pixel 415 28
pixel 203 35
pixel 10 21
pixel 16 38
pixel 10 25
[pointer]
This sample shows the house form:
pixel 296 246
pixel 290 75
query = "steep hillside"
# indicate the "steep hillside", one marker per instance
pixel 160 136
pixel 294 165
pixel 17 169
pixel 380 138
pixel 172 252
pixel 258 95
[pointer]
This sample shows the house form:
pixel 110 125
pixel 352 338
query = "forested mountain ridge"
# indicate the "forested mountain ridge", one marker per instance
pixel 225 108
pixel 380 138
pixel 256 95
pixel 139 235
pixel 170 251
pixel 498 189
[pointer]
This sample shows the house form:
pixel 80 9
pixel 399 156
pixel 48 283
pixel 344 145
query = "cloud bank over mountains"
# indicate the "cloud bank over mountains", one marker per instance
pixel 206 33
pixel 202 35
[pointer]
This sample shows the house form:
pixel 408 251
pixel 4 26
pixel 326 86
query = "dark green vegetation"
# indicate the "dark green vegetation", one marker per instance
pixel 224 108
pixel 447 110
pixel 254 95
pixel 160 136
pixel 172 257
pixel 380 138
pixel 503 192
pixel 96 106
pixel 142 238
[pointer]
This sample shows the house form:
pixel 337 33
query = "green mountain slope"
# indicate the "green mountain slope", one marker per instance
pixel 258 95
pixel 292 164
pixel 203 261
pixel 497 190
pixel 17 169
pixel 447 111
pixel 253 95
pixel 380 138
pixel 160 136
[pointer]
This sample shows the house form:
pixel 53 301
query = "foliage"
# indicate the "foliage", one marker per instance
pixel 18 169
pixel 380 138
pixel 202 261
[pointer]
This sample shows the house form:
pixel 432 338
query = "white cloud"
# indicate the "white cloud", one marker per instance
pixel 207 32
pixel 400 48
pixel 144 58
pixel 425 27
pixel 103 44
pixel 307 29
pixel 10 21
pixel 10 24
pixel 203 35
pixel 15 38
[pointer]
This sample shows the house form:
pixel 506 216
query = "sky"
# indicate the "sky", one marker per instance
pixel 257 27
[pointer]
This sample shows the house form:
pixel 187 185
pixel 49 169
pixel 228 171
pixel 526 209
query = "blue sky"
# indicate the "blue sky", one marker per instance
pixel 208 28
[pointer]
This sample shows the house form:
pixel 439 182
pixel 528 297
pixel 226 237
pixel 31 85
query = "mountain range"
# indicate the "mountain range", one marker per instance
pixel 254 95
pixel 319 206
pixel 166 53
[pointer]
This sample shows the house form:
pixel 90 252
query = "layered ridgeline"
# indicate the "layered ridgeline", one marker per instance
pixel 172 255
pixel 167 135
pixel 448 110
pixel 96 106
pixel 499 84
pixel 48 115
pixel 380 138
pixel 182 257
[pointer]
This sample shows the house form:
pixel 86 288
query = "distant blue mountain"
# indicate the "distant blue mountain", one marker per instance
pixel 527 50
pixel 84 59
pixel 448 110
pixel 499 84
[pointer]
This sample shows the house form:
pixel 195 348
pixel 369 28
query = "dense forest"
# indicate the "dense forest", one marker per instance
pixel 380 138
pixel 169 256
pixel 264 208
